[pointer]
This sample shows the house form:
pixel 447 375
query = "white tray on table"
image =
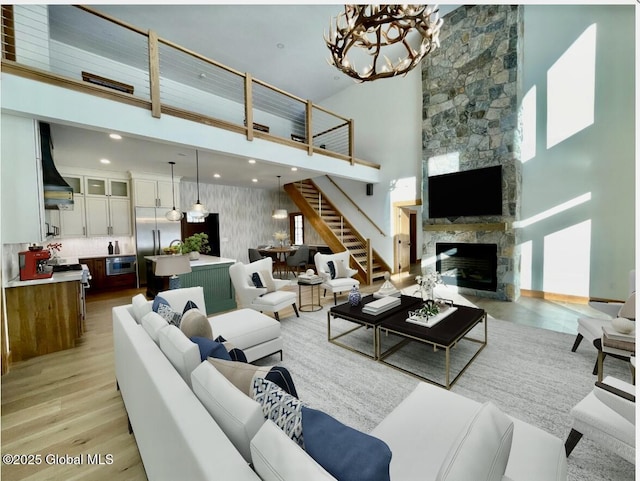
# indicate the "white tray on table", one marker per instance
pixel 432 320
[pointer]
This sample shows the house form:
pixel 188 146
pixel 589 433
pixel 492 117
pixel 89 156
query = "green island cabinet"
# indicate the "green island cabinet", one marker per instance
pixel 210 272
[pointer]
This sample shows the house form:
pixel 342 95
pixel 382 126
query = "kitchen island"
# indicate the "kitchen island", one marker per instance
pixel 210 272
pixel 44 315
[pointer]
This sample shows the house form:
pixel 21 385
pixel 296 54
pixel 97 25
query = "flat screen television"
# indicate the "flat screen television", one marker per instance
pixel 468 193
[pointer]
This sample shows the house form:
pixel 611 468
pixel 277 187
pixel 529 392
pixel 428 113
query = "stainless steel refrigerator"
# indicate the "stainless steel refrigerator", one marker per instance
pixel 153 232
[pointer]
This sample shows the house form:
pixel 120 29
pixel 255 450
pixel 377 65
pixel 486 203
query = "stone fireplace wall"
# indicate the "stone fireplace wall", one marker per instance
pixel 471 88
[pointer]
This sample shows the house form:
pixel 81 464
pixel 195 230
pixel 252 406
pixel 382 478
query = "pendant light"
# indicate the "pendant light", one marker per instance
pixel 173 214
pixel 198 211
pixel 279 213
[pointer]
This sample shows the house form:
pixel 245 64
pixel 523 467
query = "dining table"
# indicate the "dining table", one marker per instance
pixel 279 254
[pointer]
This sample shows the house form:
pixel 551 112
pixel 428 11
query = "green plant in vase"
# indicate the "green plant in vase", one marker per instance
pixel 196 244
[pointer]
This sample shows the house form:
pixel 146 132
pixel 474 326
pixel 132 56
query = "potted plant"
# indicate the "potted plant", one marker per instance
pixel 196 244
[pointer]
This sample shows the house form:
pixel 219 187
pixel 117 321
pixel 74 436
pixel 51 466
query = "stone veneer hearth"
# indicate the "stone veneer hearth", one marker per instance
pixel 471 88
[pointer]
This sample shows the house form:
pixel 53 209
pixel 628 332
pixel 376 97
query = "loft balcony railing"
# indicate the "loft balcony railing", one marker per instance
pixel 78 47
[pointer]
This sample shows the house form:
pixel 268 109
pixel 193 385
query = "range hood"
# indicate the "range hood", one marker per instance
pixel 57 193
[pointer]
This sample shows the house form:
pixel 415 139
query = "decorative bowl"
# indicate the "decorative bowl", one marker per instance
pixel 623 325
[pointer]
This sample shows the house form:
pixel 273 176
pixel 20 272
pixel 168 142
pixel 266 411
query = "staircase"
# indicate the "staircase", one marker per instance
pixel 336 231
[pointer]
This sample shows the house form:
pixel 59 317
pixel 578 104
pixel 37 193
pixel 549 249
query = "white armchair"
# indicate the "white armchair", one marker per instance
pixel 247 278
pixel 340 278
pixel 590 328
pixel 607 416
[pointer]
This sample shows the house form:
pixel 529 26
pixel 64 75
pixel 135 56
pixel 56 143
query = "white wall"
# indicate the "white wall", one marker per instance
pixel 387 115
pixel 586 249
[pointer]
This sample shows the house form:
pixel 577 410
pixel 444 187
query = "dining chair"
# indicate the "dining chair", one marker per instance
pixel 298 259
pixel 254 255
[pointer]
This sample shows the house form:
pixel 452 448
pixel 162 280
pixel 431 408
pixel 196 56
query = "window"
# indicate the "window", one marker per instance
pixel 296 227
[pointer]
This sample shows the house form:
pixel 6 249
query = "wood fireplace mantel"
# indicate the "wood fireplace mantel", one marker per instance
pixel 493 227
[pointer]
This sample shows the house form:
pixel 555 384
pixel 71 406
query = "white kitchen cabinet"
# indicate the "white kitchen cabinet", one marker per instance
pixel 108 216
pixel 120 212
pixel 154 193
pixel 107 187
pixel 73 222
pixel 23 218
pixel 76 182
pixel 108 208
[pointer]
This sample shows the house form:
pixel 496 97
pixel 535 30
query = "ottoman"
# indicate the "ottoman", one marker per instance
pixel 256 334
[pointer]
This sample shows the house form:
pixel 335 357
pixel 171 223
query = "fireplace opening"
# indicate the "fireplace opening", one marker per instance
pixel 468 265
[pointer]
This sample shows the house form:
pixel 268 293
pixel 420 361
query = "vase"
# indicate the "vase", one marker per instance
pixel 194 255
pixel 427 293
pixel 354 296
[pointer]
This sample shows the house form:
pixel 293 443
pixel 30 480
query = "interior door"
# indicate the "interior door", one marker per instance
pixel 403 240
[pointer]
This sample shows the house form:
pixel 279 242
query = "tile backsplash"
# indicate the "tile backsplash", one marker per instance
pixel 72 248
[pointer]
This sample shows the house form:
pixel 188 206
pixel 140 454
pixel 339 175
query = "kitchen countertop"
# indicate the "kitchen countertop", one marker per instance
pixel 67 276
pixel 203 261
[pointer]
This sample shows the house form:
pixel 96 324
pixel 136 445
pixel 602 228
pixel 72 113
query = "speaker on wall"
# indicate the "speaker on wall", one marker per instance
pixel 369 189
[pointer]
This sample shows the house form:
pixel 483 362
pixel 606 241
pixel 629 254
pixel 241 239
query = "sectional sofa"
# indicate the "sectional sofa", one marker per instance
pixel 191 422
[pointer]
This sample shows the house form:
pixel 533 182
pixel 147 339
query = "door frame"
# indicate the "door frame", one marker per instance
pixel 411 205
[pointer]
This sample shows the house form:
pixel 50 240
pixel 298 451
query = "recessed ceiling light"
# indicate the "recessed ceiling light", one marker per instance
pixel 280 45
pixel 294 168
pixel 254 180
pixel 217 176
pixel 105 161
pixel 252 161
pixel 115 136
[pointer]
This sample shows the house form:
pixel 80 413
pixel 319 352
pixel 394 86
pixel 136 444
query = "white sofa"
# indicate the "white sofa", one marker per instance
pixel 215 431
pixel 435 435
pixel 176 436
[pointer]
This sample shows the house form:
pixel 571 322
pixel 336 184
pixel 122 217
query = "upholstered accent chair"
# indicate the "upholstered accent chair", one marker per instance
pixel 298 259
pixel 257 289
pixel 607 416
pixel 590 328
pixel 336 274
pixel 254 255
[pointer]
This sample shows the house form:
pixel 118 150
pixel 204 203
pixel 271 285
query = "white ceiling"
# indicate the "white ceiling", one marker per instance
pixel 280 44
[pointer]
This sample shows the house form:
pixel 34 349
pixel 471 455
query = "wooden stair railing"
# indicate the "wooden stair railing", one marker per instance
pixel 335 230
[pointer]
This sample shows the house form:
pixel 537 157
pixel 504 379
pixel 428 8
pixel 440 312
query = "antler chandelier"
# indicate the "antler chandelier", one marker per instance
pixel 372 27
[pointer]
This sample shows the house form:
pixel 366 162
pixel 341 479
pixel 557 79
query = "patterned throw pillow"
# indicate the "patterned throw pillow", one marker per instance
pixel 332 269
pixel 283 409
pixel 162 307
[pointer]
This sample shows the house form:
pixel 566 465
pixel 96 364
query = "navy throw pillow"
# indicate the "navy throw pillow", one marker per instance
pixel 332 269
pixel 280 376
pixel 255 278
pixel 189 305
pixel 234 353
pixel 346 453
pixel 210 348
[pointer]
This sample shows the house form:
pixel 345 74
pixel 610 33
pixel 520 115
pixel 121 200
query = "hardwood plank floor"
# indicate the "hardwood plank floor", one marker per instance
pixel 66 403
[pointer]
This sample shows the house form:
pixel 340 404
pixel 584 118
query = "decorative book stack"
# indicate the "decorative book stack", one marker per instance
pixel 381 305
pixel 309 279
pixel 616 340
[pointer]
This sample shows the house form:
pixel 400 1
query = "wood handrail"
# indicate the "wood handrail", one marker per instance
pixel 153 41
pixel 356 206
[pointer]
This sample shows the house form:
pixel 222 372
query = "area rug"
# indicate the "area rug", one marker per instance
pixel 530 373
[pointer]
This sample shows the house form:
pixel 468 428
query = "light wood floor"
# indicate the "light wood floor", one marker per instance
pixel 66 403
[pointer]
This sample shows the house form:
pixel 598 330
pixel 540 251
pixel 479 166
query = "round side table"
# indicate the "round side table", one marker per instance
pixel 309 307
